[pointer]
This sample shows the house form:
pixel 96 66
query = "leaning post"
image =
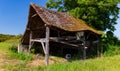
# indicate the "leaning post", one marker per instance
pixel 30 41
pixel 47 46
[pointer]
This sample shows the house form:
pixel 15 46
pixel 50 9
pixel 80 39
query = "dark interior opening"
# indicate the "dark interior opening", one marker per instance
pixel 59 49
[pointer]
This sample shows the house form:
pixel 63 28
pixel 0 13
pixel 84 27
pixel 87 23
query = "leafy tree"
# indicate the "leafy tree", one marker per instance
pixel 100 14
pixel 118 42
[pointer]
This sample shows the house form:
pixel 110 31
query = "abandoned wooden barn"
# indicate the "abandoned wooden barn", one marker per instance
pixel 58 33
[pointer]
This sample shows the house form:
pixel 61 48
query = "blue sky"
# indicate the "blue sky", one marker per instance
pixel 14 16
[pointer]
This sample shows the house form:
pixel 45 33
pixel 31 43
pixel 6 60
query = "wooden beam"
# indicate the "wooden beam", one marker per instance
pixel 63 38
pixel 34 15
pixel 98 49
pixel 20 48
pixel 47 46
pixel 54 39
pixel 97 41
pixel 84 53
pixel 44 49
pixel 39 40
pixel 79 53
pixel 42 40
pixel 84 49
pixel 27 29
pixel 30 44
pixel 63 42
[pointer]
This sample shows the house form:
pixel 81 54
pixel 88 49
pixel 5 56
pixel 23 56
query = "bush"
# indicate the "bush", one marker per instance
pixel 112 50
pixel 21 56
pixel 13 48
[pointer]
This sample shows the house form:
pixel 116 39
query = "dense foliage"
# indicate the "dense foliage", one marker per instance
pixel 100 14
pixel 112 50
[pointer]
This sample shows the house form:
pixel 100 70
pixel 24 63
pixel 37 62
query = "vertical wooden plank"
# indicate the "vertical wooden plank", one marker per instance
pixel 30 45
pixel 61 51
pixel 43 46
pixel 84 53
pixel 20 48
pixel 98 49
pixel 47 46
pixel 79 52
pixel 84 49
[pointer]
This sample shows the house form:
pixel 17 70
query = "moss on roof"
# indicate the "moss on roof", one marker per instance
pixel 39 16
pixel 62 20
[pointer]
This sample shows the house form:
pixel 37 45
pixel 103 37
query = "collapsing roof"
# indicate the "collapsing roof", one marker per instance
pixel 39 16
pixel 46 26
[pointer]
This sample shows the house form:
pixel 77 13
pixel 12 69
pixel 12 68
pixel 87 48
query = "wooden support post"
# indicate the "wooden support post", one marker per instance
pixel 84 53
pixel 84 49
pixel 30 44
pixel 61 51
pixel 20 48
pixel 79 52
pixel 47 46
pixel 43 46
pixel 98 50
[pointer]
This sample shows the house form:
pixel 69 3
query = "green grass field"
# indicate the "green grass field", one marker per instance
pixel 98 64
pixel 10 61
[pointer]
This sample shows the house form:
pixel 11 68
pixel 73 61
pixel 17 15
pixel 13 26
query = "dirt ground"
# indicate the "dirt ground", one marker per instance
pixel 34 63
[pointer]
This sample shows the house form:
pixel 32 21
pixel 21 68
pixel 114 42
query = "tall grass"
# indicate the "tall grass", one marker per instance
pixel 112 50
pixel 9 48
pixel 22 67
pixel 99 64
pixel 111 63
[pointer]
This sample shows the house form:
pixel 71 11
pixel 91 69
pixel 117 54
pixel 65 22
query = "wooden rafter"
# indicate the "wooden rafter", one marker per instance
pixel 34 15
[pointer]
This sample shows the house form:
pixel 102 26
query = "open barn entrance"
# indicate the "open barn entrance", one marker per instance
pixel 58 49
pixel 73 52
pixel 61 50
pixel 76 44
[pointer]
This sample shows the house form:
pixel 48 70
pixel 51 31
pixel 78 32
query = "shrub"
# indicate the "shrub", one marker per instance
pixel 112 50
pixel 21 56
pixel 13 48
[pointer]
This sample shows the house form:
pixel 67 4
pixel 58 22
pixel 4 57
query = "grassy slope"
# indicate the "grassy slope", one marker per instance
pixel 98 64
pixel 10 61
pixel 14 64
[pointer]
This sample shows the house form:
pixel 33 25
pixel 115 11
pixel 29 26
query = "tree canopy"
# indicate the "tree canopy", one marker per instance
pixel 100 14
